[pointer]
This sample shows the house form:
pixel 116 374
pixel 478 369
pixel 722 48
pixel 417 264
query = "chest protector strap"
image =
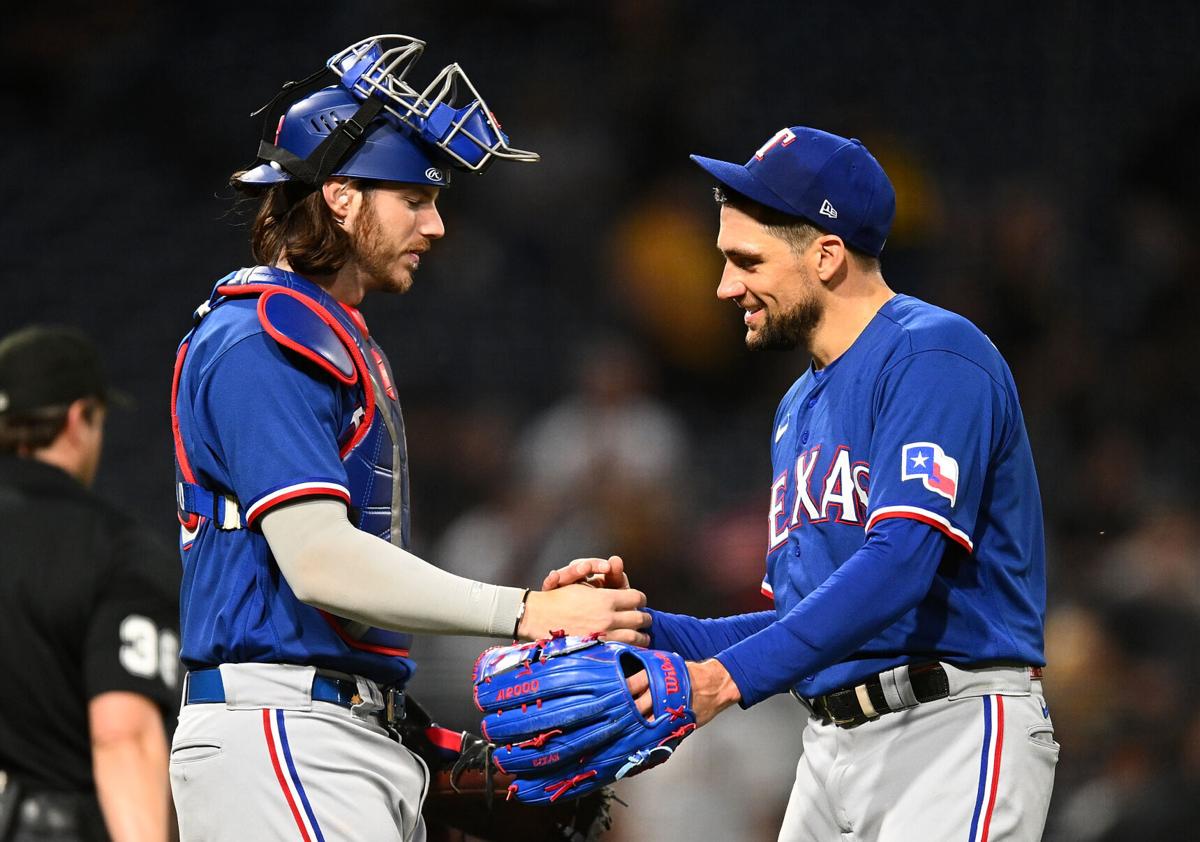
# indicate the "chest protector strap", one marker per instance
pixel 304 327
pixel 224 510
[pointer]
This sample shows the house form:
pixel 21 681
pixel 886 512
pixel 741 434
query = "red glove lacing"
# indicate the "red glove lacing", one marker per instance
pixel 564 785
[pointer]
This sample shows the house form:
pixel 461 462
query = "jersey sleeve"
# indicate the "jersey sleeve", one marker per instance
pixel 886 577
pixel 132 638
pixel 698 639
pixel 936 416
pixel 274 420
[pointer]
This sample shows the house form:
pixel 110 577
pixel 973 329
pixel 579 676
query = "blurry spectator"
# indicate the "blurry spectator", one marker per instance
pixel 88 608
pixel 610 428
pixel 607 465
pixel 1125 676
pixel 1159 560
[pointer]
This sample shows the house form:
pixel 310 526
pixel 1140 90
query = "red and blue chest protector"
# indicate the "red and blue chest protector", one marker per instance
pixel 904 523
pixel 280 394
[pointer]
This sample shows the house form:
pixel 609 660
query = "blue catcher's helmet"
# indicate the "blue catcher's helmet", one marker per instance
pixel 385 152
pixel 359 117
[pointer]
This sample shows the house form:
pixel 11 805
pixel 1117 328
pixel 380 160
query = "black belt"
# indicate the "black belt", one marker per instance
pixel 844 708
pixel 60 816
pixel 207 687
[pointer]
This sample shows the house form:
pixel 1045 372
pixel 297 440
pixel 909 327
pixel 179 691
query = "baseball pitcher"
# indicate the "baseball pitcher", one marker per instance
pixel 905 554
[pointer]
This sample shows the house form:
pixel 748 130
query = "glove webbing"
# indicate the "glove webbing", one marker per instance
pixel 476 754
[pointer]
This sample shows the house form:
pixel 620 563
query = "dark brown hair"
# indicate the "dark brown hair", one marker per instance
pixel 38 428
pixel 793 230
pixel 302 230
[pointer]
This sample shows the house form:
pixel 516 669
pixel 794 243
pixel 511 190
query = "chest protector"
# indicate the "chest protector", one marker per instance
pixel 307 321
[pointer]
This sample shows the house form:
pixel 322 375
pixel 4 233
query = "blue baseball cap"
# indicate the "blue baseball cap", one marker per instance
pixel 831 181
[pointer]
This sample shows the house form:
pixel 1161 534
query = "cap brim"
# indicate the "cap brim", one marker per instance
pixel 739 179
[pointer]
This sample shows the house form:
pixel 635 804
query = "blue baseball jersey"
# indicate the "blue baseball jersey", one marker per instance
pixel 905 519
pixel 260 424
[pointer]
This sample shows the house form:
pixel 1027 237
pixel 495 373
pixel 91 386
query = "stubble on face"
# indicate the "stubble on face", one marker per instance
pixel 792 328
pixel 381 261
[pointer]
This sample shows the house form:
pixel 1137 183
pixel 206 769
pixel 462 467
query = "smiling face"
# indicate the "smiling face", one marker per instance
pixel 765 276
pixel 393 226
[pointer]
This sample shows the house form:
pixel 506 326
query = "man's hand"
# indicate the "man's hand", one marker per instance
pixel 582 610
pixel 597 572
pixel 713 690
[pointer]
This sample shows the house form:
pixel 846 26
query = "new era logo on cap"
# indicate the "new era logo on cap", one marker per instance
pixel 831 181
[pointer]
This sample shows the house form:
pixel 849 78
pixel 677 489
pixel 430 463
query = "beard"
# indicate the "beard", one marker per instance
pixel 789 329
pixel 379 260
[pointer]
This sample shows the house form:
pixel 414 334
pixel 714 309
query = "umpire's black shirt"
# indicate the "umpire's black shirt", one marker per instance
pixel 89 603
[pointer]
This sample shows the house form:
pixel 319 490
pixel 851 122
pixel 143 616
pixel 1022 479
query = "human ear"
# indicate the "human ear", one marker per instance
pixel 81 417
pixel 338 194
pixel 830 257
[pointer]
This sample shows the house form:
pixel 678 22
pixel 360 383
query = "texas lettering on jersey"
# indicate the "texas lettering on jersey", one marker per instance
pixel 917 423
pixel 839 495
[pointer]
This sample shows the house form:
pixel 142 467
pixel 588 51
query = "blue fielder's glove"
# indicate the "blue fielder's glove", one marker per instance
pixel 563 720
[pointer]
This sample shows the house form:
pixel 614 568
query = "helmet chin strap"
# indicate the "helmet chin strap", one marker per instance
pixel 308 174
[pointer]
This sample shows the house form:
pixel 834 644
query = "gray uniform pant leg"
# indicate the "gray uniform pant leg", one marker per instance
pixel 291 768
pixel 978 765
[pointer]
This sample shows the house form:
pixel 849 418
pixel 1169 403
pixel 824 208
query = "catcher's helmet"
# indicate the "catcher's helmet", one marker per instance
pixel 359 117
pixel 384 152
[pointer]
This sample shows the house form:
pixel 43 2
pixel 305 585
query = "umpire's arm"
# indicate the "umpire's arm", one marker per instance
pixel 131 671
pixel 129 763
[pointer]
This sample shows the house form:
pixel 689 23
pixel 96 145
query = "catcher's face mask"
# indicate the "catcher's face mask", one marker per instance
pixel 359 116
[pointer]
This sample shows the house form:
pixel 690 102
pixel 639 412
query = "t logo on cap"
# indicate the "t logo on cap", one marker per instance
pixel 782 137
pixel 830 181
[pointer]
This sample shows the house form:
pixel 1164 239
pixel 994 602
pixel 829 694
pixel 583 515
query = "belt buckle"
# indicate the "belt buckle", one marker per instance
pixel 393 706
pixel 823 701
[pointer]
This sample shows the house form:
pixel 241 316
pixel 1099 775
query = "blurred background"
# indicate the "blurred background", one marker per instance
pixel 571 384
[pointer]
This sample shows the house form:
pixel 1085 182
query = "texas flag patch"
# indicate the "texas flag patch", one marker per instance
pixel 927 462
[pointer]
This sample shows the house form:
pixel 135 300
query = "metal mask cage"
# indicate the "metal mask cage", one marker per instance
pixel 434 114
pixel 379 64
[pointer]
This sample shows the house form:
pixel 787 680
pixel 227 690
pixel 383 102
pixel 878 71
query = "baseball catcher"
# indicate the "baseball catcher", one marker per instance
pixel 300 593
pixel 567 715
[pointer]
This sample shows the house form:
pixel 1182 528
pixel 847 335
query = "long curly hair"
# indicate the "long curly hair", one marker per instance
pixel 302 230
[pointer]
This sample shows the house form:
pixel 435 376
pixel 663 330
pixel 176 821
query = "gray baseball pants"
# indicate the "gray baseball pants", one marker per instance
pixel 977 766
pixel 272 763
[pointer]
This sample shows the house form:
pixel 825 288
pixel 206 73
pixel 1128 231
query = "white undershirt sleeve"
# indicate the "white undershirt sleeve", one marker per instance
pixel 333 566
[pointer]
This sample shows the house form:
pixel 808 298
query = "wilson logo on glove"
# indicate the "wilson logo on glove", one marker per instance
pixel 670 676
pixel 562 718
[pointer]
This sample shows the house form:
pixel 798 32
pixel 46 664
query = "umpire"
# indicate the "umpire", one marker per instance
pixel 88 608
